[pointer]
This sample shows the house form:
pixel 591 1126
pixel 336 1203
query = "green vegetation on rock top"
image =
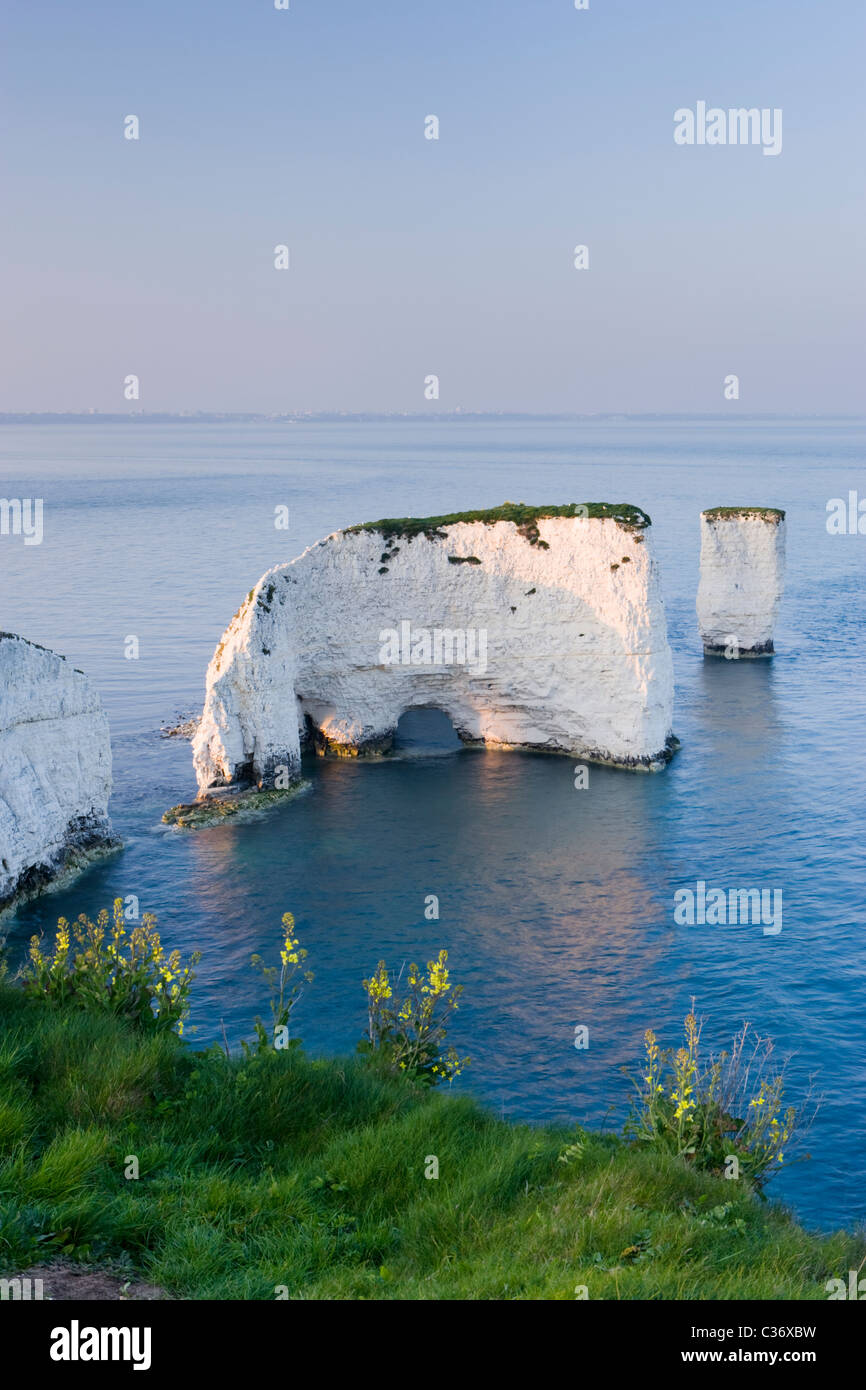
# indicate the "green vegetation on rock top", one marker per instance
pixel 523 516
pixel 726 513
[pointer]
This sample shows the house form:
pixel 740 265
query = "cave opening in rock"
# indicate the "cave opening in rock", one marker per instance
pixel 425 731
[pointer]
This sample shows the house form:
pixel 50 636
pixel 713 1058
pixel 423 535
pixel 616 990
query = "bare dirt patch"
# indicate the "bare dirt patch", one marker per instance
pixel 67 1283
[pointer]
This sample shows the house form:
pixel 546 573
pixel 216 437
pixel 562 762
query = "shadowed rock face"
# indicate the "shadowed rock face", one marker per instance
pixel 742 579
pixel 55 769
pixel 549 635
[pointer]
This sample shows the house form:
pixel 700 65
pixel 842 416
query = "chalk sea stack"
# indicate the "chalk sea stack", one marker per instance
pixel 742 579
pixel 55 770
pixel 530 627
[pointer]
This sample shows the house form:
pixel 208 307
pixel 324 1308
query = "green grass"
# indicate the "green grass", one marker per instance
pixel 523 516
pixel 279 1170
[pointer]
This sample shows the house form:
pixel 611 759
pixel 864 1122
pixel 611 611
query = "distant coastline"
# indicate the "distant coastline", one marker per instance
pixel 213 417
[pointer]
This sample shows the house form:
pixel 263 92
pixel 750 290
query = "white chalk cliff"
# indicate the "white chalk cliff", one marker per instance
pixel 55 769
pixel 742 579
pixel 546 631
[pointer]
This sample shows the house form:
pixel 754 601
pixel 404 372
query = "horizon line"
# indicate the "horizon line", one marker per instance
pixel 246 416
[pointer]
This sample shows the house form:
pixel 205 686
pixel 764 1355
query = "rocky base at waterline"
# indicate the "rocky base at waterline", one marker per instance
pixel 733 652
pixel 231 802
pixel 529 627
pixel 85 846
pixel 742 580
pixel 55 772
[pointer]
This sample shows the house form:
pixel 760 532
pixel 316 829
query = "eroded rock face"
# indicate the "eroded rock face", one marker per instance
pixel 549 636
pixel 55 769
pixel 742 579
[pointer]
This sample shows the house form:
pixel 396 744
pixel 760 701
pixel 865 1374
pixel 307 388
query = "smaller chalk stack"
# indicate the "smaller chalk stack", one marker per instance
pixel 742 579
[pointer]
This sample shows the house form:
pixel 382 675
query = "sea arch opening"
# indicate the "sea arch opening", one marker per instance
pixel 425 730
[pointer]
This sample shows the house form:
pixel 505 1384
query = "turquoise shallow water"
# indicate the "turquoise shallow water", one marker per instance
pixel 556 905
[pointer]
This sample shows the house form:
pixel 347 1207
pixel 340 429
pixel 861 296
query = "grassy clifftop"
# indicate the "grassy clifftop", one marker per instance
pixel 276 1172
pixel 524 517
pixel 774 514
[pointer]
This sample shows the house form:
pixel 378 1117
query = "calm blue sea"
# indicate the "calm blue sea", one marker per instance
pixel 556 905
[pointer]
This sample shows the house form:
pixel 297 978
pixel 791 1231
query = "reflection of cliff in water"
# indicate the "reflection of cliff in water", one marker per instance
pixel 708 819
pixel 576 929
pixel 738 715
pixel 544 897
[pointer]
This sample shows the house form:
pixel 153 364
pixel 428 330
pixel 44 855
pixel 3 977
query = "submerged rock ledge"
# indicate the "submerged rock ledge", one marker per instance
pixel 549 635
pixel 240 803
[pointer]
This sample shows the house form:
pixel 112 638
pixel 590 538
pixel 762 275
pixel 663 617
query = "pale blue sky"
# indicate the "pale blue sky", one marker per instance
pixel 410 256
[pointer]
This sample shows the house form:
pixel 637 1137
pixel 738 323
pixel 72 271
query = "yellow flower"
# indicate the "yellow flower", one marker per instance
pixel 437 975
pixel 378 988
